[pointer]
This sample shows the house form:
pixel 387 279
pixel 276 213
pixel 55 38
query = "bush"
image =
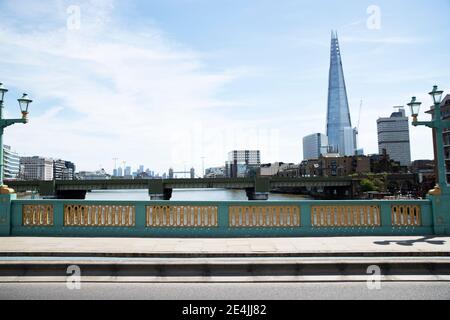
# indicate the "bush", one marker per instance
pixel 367 185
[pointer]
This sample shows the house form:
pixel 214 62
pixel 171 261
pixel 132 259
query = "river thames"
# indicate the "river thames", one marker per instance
pixel 185 195
pixel 177 194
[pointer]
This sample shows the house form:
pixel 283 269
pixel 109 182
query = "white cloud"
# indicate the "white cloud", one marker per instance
pixel 383 40
pixel 136 95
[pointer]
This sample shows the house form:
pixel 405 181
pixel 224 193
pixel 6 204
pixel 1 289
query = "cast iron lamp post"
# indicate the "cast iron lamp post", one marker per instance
pixel 438 125
pixel 440 195
pixel 24 102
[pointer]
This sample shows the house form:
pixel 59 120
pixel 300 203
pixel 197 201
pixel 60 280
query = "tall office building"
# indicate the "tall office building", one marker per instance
pixel 37 168
pixel 341 135
pixel 393 136
pixel 314 145
pixel 63 170
pixel 251 157
pixel 11 162
pixel 59 167
pixel 71 166
pixel 241 161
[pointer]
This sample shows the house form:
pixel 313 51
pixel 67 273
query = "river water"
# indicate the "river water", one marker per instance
pixel 177 194
pixel 184 195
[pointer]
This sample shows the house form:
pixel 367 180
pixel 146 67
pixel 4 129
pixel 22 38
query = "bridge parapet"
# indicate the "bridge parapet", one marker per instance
pixel 81 218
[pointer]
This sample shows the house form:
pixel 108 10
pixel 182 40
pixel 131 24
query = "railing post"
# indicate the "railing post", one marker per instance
pixel 141 217
pixel 440 208
pixel 305 216
pixel 58 217
pixel 223 218
pixel 5 214
pixel 385 214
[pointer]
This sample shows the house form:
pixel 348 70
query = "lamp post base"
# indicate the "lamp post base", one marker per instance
pixel 5 190
pixel 436 191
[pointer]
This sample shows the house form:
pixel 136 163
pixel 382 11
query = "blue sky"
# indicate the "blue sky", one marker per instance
pixel 163 83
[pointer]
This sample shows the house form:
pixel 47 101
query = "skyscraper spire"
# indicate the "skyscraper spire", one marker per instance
pixel 341 136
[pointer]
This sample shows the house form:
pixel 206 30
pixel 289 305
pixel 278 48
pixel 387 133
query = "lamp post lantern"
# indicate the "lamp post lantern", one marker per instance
pixel 24 103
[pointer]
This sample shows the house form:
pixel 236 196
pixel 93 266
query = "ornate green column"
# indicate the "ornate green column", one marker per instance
pixel 440 195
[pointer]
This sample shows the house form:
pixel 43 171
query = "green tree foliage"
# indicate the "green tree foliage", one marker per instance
pixel 367 185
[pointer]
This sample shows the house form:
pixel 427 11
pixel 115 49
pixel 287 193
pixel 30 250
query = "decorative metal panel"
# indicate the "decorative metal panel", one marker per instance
pixel 264 216
pixel 182 216
pixel 99 215
pixel 37 215
pixel 406 215
pixel 345 216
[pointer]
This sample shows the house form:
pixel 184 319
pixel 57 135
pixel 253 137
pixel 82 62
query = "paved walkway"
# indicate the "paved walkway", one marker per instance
pixel 414 245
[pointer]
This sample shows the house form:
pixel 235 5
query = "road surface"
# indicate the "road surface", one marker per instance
pixel 227 291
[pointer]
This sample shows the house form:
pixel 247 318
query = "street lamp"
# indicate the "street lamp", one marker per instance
pixel 24 102
pixel 437 95
pixel 3 90
pixel 414 105
pixel 438 125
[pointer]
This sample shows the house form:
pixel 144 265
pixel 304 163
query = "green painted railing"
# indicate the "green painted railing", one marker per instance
pixel 81 218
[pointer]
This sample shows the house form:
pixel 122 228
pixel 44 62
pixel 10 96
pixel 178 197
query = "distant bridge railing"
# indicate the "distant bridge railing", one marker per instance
pixel 81 218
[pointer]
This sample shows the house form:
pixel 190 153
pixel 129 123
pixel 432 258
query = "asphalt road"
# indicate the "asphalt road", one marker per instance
pixel 226 291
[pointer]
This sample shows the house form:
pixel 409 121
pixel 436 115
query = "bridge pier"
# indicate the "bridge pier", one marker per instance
pixel 166 195
pixel 261 189
pixel 253 195
pixel 71 194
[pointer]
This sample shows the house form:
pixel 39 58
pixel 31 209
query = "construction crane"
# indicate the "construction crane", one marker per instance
pixel 357 125
pixel 359 116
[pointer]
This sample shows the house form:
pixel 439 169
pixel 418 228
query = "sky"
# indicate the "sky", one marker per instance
pixel 164 83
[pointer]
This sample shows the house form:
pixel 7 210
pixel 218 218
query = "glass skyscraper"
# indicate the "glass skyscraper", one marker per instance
pixel 341 135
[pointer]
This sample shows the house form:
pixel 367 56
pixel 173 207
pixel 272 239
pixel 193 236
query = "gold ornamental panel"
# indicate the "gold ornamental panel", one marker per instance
pixel 182 216
pixel 99 215
pixel 264 216
pixel 406 215
pixel 37 215
pixel 345 216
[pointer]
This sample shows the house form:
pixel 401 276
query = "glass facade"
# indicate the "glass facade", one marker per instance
pixel 11 162
pixel 393 136
pixel 338 114
pixel 314 145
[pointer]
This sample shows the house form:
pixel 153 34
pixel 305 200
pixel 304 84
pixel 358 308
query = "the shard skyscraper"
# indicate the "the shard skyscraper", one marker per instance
pixel 341 135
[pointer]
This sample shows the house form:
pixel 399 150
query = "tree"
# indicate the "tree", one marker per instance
pixel 367 185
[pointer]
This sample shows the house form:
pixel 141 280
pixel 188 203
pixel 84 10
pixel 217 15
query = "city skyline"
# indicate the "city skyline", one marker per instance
pixel 165 90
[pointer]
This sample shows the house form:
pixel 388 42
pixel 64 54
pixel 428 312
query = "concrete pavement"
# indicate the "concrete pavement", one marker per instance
pixel 241 247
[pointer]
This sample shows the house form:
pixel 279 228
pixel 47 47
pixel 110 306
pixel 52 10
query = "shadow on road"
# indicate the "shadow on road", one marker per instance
pixel 411 242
